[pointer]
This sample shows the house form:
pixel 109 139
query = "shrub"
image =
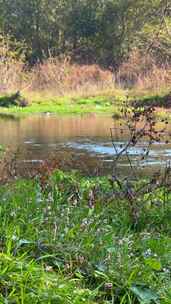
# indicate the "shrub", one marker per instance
pixel 142 72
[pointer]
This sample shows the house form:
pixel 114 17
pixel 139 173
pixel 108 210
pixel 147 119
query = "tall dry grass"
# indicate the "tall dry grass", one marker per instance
pixel 142 72
pixel 61 77
pixel 58 77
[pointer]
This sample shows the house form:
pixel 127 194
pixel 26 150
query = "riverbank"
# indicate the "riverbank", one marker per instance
pixel 68 239
pixel 110 102
pixel 107 103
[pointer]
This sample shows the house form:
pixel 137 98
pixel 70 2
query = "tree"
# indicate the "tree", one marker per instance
pixel 101 31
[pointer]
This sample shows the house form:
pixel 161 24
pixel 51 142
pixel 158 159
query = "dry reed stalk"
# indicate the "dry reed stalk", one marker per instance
pixel 66 78
pixel 61 77
pixel 142 73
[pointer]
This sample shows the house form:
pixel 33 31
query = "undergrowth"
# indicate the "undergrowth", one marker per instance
pixel 68 240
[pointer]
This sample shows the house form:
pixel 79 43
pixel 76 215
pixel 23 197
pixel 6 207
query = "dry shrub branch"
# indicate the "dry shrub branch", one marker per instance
pixel 143 131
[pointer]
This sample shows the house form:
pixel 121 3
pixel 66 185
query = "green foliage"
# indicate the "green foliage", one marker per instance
pixel 13 100
pixel 23 281
pixel 11 50
pixel 98 31
pixel 57 247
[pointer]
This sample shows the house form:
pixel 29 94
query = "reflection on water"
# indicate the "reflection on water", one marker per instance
pixel 75 141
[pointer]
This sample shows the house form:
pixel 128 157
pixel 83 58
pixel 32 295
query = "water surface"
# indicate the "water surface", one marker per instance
pixel 76 142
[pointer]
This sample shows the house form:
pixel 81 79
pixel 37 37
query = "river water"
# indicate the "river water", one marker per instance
pixel 75 142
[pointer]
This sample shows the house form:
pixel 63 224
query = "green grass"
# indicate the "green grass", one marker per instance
pixel 107 104
pixel 110 103
pixel 58 247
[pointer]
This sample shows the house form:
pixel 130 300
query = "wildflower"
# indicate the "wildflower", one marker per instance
pixel 108 286
pixel 148 253
pixel 84 223
pixel 13 214
pixel 121 241
pixel 39 197
pixel 80 259
pixel 49 268
pixel 166 270
pixel 50 197
pixel 14 237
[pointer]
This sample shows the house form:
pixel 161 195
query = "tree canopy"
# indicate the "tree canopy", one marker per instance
pixel 98 31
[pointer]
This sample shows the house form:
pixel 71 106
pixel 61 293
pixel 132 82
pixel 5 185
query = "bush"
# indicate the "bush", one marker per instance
pixel 142 72
pixel 13 100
